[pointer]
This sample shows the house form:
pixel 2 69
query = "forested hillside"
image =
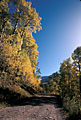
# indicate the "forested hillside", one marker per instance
pixel 18 48
pixel 67 84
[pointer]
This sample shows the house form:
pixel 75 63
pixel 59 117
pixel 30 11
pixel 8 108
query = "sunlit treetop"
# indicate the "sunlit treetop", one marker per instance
pixel 23 16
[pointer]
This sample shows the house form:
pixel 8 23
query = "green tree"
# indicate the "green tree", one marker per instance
pixel 76 56
pixel 65 72
pixel 69 84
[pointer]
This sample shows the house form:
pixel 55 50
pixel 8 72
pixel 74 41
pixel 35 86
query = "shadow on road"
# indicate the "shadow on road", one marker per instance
pixel 34 101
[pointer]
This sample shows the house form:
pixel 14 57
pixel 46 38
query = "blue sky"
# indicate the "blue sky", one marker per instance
pixel 60 34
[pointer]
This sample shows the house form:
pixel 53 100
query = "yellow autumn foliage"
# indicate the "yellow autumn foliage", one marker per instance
pixel 18 50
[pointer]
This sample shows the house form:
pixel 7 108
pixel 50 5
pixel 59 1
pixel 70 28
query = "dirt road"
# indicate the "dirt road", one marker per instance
pixel 36 108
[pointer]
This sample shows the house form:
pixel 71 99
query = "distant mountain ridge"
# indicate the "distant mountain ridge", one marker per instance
pixel 44 79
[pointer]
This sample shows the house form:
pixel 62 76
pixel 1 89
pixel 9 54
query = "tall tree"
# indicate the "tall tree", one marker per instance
pixel 18 50
pixel 76 56
pixel 65 72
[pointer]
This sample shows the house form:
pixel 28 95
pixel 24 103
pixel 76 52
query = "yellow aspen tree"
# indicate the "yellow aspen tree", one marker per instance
pixel 18 50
